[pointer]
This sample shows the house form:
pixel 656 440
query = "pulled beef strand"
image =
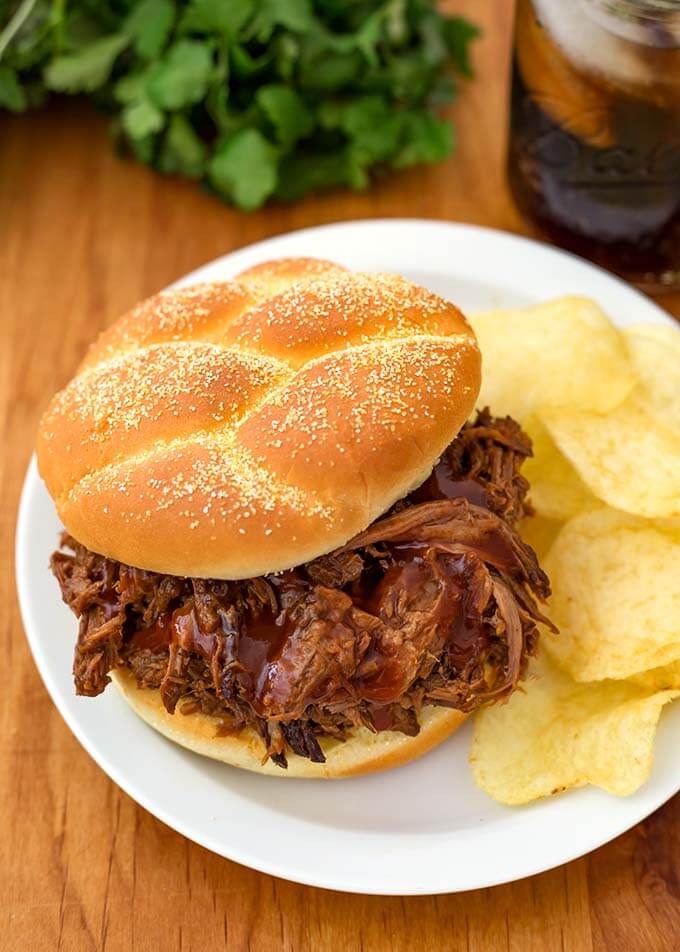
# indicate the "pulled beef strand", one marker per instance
pixel 483 463
pixel 433 603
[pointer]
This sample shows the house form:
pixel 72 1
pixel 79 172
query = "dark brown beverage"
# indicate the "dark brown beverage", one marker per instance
pixel 594 156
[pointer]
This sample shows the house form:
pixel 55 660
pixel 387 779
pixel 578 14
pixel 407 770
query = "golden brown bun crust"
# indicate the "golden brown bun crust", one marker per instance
pixel 235 429
pixel 363 753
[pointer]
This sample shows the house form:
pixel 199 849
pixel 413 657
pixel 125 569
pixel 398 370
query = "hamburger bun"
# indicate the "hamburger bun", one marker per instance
pixel 364 752
pixel 232 430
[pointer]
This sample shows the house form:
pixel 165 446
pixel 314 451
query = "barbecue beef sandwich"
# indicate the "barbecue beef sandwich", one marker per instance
pixel 288 541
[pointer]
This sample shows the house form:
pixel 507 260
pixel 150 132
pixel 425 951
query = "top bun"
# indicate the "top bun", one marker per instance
pixel 234 429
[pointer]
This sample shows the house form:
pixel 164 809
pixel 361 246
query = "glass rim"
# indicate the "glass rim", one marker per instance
pixel 639 9
pixel 652 22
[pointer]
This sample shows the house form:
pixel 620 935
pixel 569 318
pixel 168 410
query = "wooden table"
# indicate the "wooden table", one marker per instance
pixel 82 237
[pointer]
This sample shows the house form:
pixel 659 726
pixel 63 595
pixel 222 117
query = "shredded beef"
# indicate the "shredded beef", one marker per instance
pixel 336 569
pixel 489 453
pixel 492 451
pixel 434 603
pixel 87 583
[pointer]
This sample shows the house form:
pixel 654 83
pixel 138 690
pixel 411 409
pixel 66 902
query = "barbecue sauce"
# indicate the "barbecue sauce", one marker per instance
pixel 156 637
pixel 464 634
pixel 265 632
pixel 262 637
pixel 443 484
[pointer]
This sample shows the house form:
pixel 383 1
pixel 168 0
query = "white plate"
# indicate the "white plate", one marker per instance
pixel 423 828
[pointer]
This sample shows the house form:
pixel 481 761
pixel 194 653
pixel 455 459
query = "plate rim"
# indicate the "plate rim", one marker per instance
pixel 286 869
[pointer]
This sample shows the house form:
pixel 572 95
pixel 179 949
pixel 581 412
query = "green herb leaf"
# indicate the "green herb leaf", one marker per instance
pixel 15 23
pixel 224 17
pixel 369 35
pixel 79 30
pixel 303 173
pixel 396 23
pixel 295 15
pixel 287 53
pixel 217 105
pixel 131 87
pixel 149 25
pixel 434 50
pixel 458 34
pixel 287 113
pixel 182 76
pixel 259 98
pixel 182 150
pixel 141 119
pixel 426 139
pixel 245 169
pixel 88 68
pixel 330 72
pixel 374 129
pixel 442 91
pixel 12 94
pixel 143 149
pixel 245 65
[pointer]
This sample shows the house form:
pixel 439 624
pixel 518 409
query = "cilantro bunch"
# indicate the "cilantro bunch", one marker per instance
pixel 257 98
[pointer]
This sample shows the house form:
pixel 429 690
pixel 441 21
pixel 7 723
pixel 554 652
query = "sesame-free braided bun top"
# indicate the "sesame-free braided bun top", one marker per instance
pixel 234 429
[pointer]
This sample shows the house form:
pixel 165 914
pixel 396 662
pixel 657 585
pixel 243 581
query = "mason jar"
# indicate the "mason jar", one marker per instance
pixel 594 156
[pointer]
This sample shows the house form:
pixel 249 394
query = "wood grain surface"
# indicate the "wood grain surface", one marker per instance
pixel 83 236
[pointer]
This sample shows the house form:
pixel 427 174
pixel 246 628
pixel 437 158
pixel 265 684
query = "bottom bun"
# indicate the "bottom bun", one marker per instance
pixel 364 752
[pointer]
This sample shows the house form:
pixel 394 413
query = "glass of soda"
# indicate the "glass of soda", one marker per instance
pixel 594 156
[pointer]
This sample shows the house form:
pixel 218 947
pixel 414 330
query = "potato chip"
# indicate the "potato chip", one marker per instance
pixel 557 490
pixel 616 596
pixel 655 352
pixel 626 457
pixel 557 734
pixel 604 429
pixel 561 353
pixel 658 679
